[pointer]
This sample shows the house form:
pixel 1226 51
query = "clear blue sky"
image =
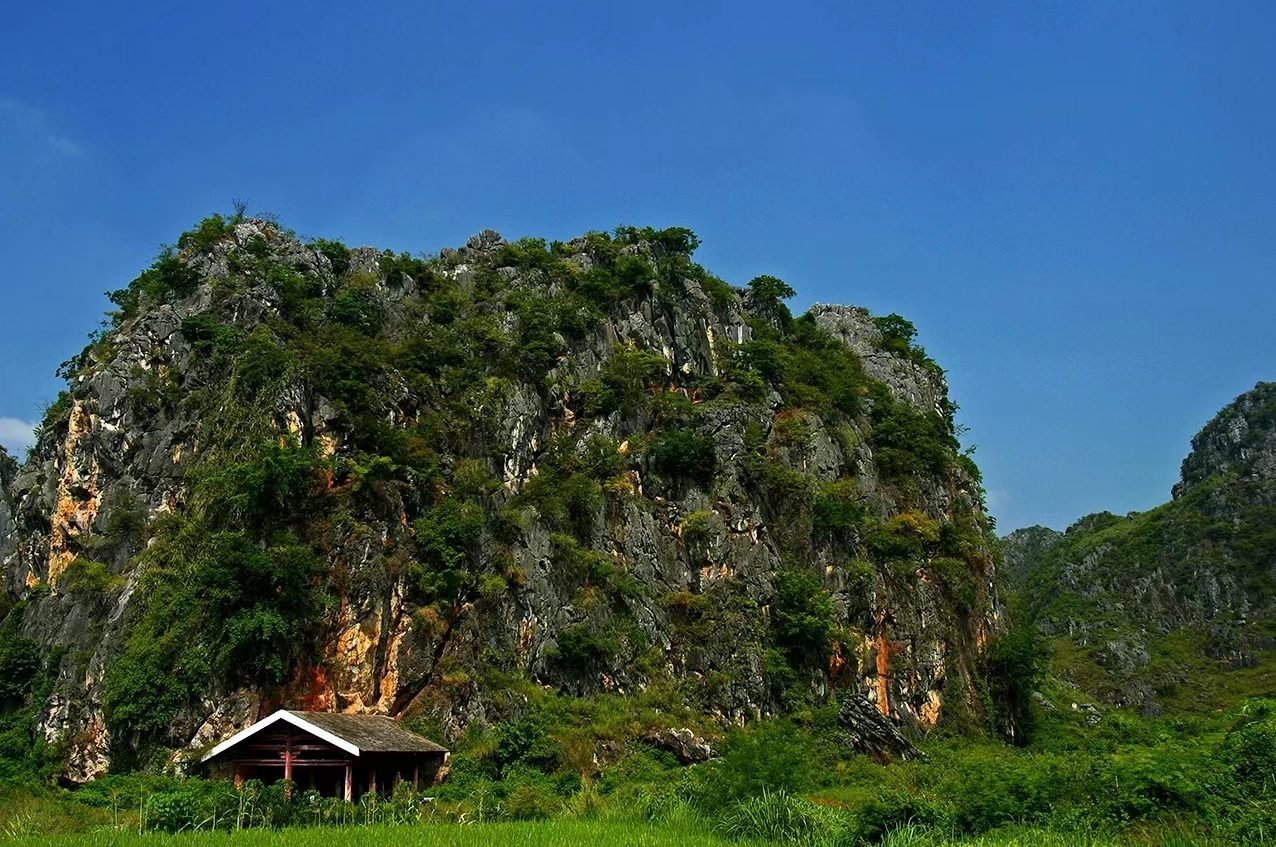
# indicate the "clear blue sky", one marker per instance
pixel 1073 201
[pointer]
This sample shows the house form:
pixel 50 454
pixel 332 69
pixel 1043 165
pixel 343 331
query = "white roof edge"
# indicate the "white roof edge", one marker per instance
pixel 288 717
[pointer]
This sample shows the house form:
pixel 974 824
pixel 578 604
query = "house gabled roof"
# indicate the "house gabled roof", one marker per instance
pixel 355 734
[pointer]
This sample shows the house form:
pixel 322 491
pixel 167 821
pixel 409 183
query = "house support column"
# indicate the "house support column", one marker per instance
pixel 372 781
pixel 236 775
pixel 288 765
pixel 416 777
pixel 349 782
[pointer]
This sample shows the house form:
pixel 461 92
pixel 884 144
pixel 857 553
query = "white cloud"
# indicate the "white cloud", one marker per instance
pixel 35 127
pixel 17 435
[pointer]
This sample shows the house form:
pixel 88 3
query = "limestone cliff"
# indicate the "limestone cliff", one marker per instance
pixel 1173 606
pixel 8 469
pixel 300 474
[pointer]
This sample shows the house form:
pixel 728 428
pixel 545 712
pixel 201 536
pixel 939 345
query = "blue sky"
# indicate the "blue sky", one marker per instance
pixel 1073 201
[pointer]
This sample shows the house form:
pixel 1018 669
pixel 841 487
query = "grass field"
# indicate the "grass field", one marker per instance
pixel 567 833
pixel 524 834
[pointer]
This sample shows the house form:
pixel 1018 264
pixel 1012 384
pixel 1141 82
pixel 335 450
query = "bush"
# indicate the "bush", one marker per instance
pixel 802 618
pixel 445 540
pixel 228 592
pixel 1250 752
pixel 171 811
pixel 8 468
pixel 530 802
pixel 780 818
pixel 582 651
pixel 208 336
pixel 86 578
pixel 210 231
pixel 19 666
pixel 837 508
pixel 682 453
pixel 627 376
pixel 337 253
pixel 769 757
pixel 1013 665
pixel 524 742
pixel 907 441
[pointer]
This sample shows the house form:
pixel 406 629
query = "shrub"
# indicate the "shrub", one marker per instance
pixel 228 592
pixel 524 742
pixel 19 665
pixel 263 361
pixel 337 253
pixel 836 507
pixel 356 309
pixel 208 336
pixel 719 292
pixel 768 757
pixel 171 811
pixel 530 802
pixel 695 527
pixel 445 539
pixel 83 577
pixel 777 817
pixel 802 617
pixel 907 441
pixel 1250 752
pixel 581 651
pixel 897 333
pixel 8 468
pixel 682 453
pixel 209 232
pixel 525 253
pixel 1013 665
pixel 674 240
pixel 628 374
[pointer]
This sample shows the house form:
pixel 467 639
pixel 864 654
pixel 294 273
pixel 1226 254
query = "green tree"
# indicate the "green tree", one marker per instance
pixel 897 333
pixel 771 288
pixel 1013 664
pixel 802 617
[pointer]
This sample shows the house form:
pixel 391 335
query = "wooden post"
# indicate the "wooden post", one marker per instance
pixel 349 782
pixel 237 776
pixel 288 765
pixel 372 781
pixel 416 777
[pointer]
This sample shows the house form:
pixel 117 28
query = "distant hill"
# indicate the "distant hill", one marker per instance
pixel 1173 608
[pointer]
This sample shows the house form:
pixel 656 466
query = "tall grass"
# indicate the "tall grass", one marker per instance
pixel 558 833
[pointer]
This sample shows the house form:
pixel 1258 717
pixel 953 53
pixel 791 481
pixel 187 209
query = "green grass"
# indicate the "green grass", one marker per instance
pixel 559 833
pixel 585 834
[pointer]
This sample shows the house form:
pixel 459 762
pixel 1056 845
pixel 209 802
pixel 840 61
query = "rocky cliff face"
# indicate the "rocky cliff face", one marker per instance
pixel 8 469
pixel 1238 444
pixel 296 474
pixel 1164 602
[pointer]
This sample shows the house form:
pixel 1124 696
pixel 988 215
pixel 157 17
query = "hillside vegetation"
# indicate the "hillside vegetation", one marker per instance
pixel 450 487
pixel 1170 609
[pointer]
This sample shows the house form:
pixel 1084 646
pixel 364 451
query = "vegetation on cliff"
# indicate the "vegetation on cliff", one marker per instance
pixel 432 485
pixel 1172 608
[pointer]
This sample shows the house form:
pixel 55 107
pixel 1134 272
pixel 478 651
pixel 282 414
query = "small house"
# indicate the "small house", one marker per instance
pixel 338 755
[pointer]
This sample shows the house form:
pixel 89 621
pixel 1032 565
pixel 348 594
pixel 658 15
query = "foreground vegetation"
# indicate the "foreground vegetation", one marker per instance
pixel 1124 780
